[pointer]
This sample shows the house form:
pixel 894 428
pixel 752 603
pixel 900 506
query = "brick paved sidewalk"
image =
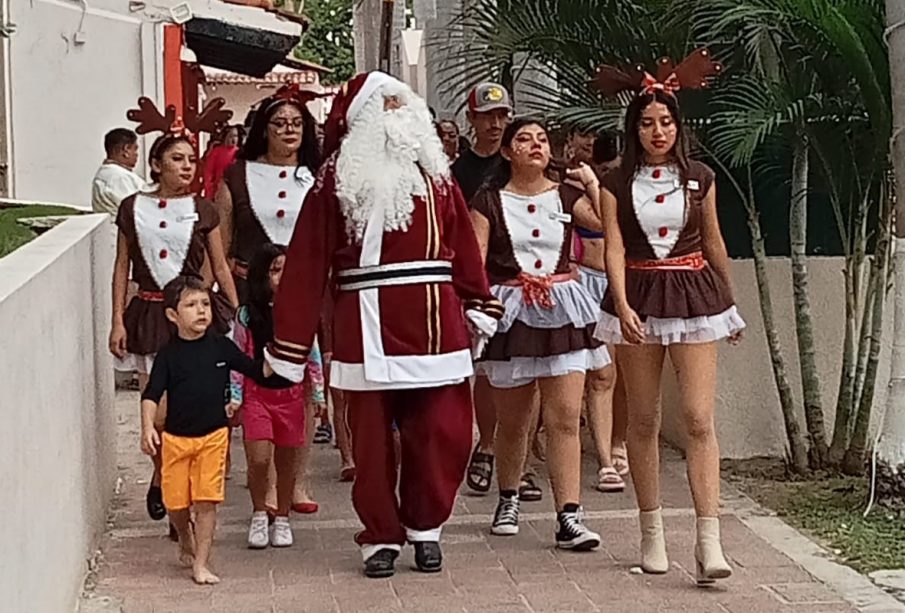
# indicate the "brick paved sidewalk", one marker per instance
pixel 482 574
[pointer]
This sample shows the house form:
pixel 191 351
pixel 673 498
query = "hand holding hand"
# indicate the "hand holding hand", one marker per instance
pixel 150 442
pixel 234 414
pixel 268 369
pixel 736 338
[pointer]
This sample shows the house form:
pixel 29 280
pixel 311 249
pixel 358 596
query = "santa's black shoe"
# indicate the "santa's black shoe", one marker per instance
pixel 382 564
pixel 428 556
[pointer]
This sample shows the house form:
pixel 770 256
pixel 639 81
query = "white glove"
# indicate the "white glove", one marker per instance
pixel 482 327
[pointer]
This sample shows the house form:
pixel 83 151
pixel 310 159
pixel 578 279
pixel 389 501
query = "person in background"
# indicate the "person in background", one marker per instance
pixel 221 155
pixel 116 180
pixel 589 254
pixel 489 112
pixel 448 131
pixel 605 156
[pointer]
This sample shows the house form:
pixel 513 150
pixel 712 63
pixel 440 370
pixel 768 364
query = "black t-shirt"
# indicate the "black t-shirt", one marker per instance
pixel 195 376
pixel 471 170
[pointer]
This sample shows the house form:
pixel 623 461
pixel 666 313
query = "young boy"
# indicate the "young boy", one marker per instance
pixel 193 370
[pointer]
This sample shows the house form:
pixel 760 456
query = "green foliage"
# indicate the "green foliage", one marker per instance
pixel 830 509
pixel 329 39
pixel 13 235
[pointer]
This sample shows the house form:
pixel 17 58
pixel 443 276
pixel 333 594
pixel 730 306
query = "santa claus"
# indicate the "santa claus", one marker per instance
pixel 387 231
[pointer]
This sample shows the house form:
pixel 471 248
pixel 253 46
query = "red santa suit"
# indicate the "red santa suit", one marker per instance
pixel 402 348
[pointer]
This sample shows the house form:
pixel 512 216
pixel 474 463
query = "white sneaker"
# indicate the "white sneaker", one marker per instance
pixel 257 531
pixel 281 532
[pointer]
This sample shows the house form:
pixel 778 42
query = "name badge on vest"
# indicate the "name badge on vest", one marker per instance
pixel 563 217
pixel 193 217
pixel 693 185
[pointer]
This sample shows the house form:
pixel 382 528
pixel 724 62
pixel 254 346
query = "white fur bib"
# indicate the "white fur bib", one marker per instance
pixel 164 228
pixel 276 195
pixel 536 226
pixel 659 202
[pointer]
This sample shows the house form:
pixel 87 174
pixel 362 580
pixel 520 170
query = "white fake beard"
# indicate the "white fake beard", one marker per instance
pixel 381 162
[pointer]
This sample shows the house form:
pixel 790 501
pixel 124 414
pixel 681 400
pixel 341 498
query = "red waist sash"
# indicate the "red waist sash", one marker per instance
pixel 692 261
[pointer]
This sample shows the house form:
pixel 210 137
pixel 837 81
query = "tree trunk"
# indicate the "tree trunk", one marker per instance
pixel 807 355
pixel 853 463
pixel 890 452
pixel 798 458
pixel 846 395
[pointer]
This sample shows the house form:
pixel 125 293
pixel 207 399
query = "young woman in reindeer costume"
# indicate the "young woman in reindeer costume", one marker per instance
pixel 670 290
pixel 163 234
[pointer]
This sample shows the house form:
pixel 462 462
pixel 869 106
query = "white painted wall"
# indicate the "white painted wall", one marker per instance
pixel 748 417
pixel 66 96
pixel 57 445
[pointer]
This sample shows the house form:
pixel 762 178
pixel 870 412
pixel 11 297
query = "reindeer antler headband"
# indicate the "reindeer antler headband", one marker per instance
pixel 149 119
pixel 292 93
pixel 692 73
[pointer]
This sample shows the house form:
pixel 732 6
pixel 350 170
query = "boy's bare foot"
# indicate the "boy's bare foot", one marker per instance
pixel 186 559
pixel 203 576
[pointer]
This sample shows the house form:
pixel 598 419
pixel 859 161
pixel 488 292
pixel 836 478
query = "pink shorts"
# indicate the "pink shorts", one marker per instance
pixel 276 415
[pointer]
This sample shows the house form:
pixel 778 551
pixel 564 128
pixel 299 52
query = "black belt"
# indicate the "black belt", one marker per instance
pixel 402 273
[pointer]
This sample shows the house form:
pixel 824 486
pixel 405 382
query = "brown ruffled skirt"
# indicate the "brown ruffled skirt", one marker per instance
pixel 673 293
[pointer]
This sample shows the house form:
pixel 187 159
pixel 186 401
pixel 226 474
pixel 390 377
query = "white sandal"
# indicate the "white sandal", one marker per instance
pixel 608 480
pixel 620 461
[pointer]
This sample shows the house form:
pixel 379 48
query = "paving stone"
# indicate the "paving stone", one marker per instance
pixel 482 573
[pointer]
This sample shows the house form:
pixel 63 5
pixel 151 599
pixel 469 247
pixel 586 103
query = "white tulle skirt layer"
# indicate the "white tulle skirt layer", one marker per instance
pixel 675 330
pixel 132 362
pixel 573 305
pixel 516 372
pixel 594 281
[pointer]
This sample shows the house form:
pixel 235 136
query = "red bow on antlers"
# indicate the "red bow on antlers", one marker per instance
pixel 692 73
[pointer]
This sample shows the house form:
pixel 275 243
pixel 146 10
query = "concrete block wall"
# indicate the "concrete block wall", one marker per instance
pixel 748 416
pixel 57 443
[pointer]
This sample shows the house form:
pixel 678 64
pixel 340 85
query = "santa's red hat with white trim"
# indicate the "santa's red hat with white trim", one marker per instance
pixel 349 102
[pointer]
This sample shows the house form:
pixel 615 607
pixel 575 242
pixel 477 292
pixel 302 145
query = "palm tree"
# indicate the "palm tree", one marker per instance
pixel 806 79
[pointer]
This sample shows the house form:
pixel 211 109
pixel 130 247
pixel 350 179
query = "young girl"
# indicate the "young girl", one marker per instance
pixel 273 414
pixel 162 234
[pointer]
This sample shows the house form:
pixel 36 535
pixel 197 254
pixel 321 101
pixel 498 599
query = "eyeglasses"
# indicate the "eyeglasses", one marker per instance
pixel 280 125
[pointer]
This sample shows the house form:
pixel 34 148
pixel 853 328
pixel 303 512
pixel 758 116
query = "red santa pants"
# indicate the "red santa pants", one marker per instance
pixel 435 430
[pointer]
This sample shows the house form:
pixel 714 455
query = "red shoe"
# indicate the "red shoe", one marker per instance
pixel 305 508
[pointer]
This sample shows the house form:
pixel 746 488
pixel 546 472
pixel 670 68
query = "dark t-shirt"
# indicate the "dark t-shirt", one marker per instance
pixel 195 376
pixel 471 170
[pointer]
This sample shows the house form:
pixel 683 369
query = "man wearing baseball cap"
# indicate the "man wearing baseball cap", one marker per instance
pixel 489 111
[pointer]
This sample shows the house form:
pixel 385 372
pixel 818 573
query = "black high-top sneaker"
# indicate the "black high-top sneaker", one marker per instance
pixel 505 520
pixel 571 533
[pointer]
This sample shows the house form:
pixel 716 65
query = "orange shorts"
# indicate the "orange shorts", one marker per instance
pixel 193 469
